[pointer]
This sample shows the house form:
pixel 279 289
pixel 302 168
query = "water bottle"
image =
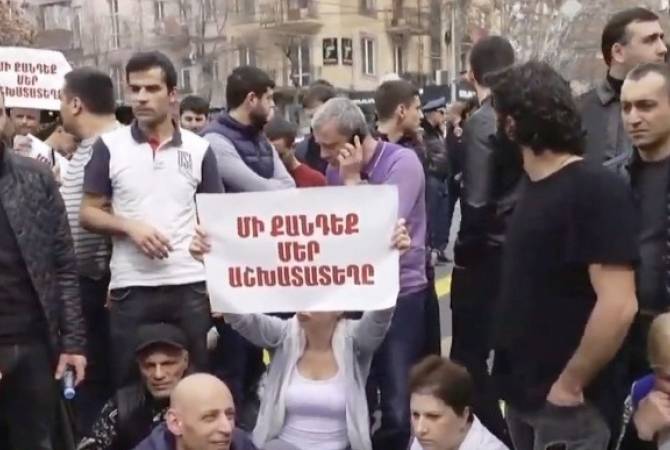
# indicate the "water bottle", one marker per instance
pixel 68 383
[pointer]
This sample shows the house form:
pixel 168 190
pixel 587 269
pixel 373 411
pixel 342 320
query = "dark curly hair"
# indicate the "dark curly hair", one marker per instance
pixel 541 104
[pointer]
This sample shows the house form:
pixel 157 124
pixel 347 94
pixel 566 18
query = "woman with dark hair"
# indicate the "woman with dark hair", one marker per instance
pixel 441 404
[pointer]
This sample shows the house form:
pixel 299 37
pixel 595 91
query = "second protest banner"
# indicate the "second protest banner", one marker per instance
pixel 321 249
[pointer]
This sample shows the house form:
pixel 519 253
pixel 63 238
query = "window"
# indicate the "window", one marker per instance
pixel 115 41
pixel 367 6
pixel 185 80
pixel 246 56
pixel 209 8
pixel 76 28
pixel 245 8
pixel 117 76
pixel 159 11
pixel 398 59
pixel 301 64
pixel 55 17
pixel 368 56
pixel 216 71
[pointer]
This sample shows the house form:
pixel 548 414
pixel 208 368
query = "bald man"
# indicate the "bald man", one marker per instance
pixel 201 417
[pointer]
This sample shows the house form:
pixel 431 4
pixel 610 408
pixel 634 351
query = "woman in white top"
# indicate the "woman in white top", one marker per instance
pixel 442 417
pixel 314 397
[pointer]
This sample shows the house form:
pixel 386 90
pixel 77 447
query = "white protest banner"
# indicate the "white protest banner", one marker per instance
pixel 32 78
pixel 319 249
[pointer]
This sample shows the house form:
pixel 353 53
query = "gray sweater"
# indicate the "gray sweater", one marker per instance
pixel 354 344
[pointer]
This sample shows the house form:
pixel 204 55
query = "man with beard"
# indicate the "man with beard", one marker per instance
pixel 247 162
pixel 567 294
pixel 631 37
pixel 139 187
pixel 491 173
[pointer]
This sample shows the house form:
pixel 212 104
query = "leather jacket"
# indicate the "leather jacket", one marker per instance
pixel 36 213
pixel 606 138
pixel 491 176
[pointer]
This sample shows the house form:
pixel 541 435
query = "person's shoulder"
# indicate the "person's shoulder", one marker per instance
pixel 192 142
pixel 30 165
pixel 159 439
pixel 241 441
pixel 595 174
pixel 480 438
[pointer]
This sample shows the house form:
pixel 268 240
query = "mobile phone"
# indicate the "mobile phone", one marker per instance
pixel 557 446
pixel 360 135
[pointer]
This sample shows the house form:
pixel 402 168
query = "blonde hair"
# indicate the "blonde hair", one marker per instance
pixel 658 342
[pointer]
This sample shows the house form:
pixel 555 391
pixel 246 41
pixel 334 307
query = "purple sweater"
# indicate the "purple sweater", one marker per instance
pixel 393 164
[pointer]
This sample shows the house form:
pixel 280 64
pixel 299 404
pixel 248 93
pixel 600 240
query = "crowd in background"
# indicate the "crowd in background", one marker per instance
pixel 559 293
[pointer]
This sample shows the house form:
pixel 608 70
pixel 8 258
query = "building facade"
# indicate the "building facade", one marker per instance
pixel 354 44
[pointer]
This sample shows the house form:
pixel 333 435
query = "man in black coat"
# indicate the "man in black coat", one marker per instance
pixel 41 323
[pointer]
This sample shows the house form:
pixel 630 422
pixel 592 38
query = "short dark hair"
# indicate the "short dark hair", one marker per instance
pixel 194 103
pixel 489 55
pixel 142 61
pixel 645 69
pixel 242 81
pixel 94 88
pixel 392 94
pixel 617 26
pixel 319 92
pixel 445 380
pixel 280 128
pixel 541 103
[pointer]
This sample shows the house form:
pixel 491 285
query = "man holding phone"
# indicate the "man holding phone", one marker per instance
pixel 368 160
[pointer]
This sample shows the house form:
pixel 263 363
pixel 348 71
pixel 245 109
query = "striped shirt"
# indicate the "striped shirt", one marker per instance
pixel 92 250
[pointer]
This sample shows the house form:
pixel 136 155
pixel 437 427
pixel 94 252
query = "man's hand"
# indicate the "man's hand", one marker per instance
pixel 148 239
pixel 565 394
pixel 351 162
pixel 652 415
pixel 78 362
pixel 200 244
pixel 401 239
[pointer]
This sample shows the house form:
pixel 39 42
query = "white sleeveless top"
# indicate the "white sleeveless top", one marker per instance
pixel 316 413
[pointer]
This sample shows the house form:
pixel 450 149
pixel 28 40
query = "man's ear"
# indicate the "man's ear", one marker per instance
pixel 173 423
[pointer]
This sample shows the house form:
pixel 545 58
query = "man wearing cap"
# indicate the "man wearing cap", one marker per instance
pixel 130 415
pixel 437 175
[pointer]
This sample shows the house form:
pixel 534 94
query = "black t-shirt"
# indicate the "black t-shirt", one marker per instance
pixel 581 215
pixel 650 187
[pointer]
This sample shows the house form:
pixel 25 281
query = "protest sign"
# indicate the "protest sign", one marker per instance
pixel 320 249
pixel 32 78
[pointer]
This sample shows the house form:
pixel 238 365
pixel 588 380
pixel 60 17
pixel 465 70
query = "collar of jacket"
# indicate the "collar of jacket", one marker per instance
pixel 605 93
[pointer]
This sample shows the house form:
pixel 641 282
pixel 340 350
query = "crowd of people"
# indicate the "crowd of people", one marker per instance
pixel 559 292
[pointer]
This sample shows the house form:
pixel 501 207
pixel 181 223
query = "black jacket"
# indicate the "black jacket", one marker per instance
pixel 437 162
pixel 630 170
pixel 491 175
pixel 606 138
pixel 37 216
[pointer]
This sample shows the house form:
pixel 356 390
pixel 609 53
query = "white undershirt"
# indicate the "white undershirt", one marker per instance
pixel 316 413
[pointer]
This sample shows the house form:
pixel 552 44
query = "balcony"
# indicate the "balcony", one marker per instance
pixel 294 16
pixel 408 21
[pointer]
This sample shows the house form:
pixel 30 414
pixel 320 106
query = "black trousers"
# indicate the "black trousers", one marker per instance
pixel 28 396
pixel 185 306
pixel 98 386
pixel 474 291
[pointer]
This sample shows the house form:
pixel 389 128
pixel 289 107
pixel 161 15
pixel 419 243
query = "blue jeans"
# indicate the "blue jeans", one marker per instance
pixel 185 306
pixel 439 211
pixel 403 347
